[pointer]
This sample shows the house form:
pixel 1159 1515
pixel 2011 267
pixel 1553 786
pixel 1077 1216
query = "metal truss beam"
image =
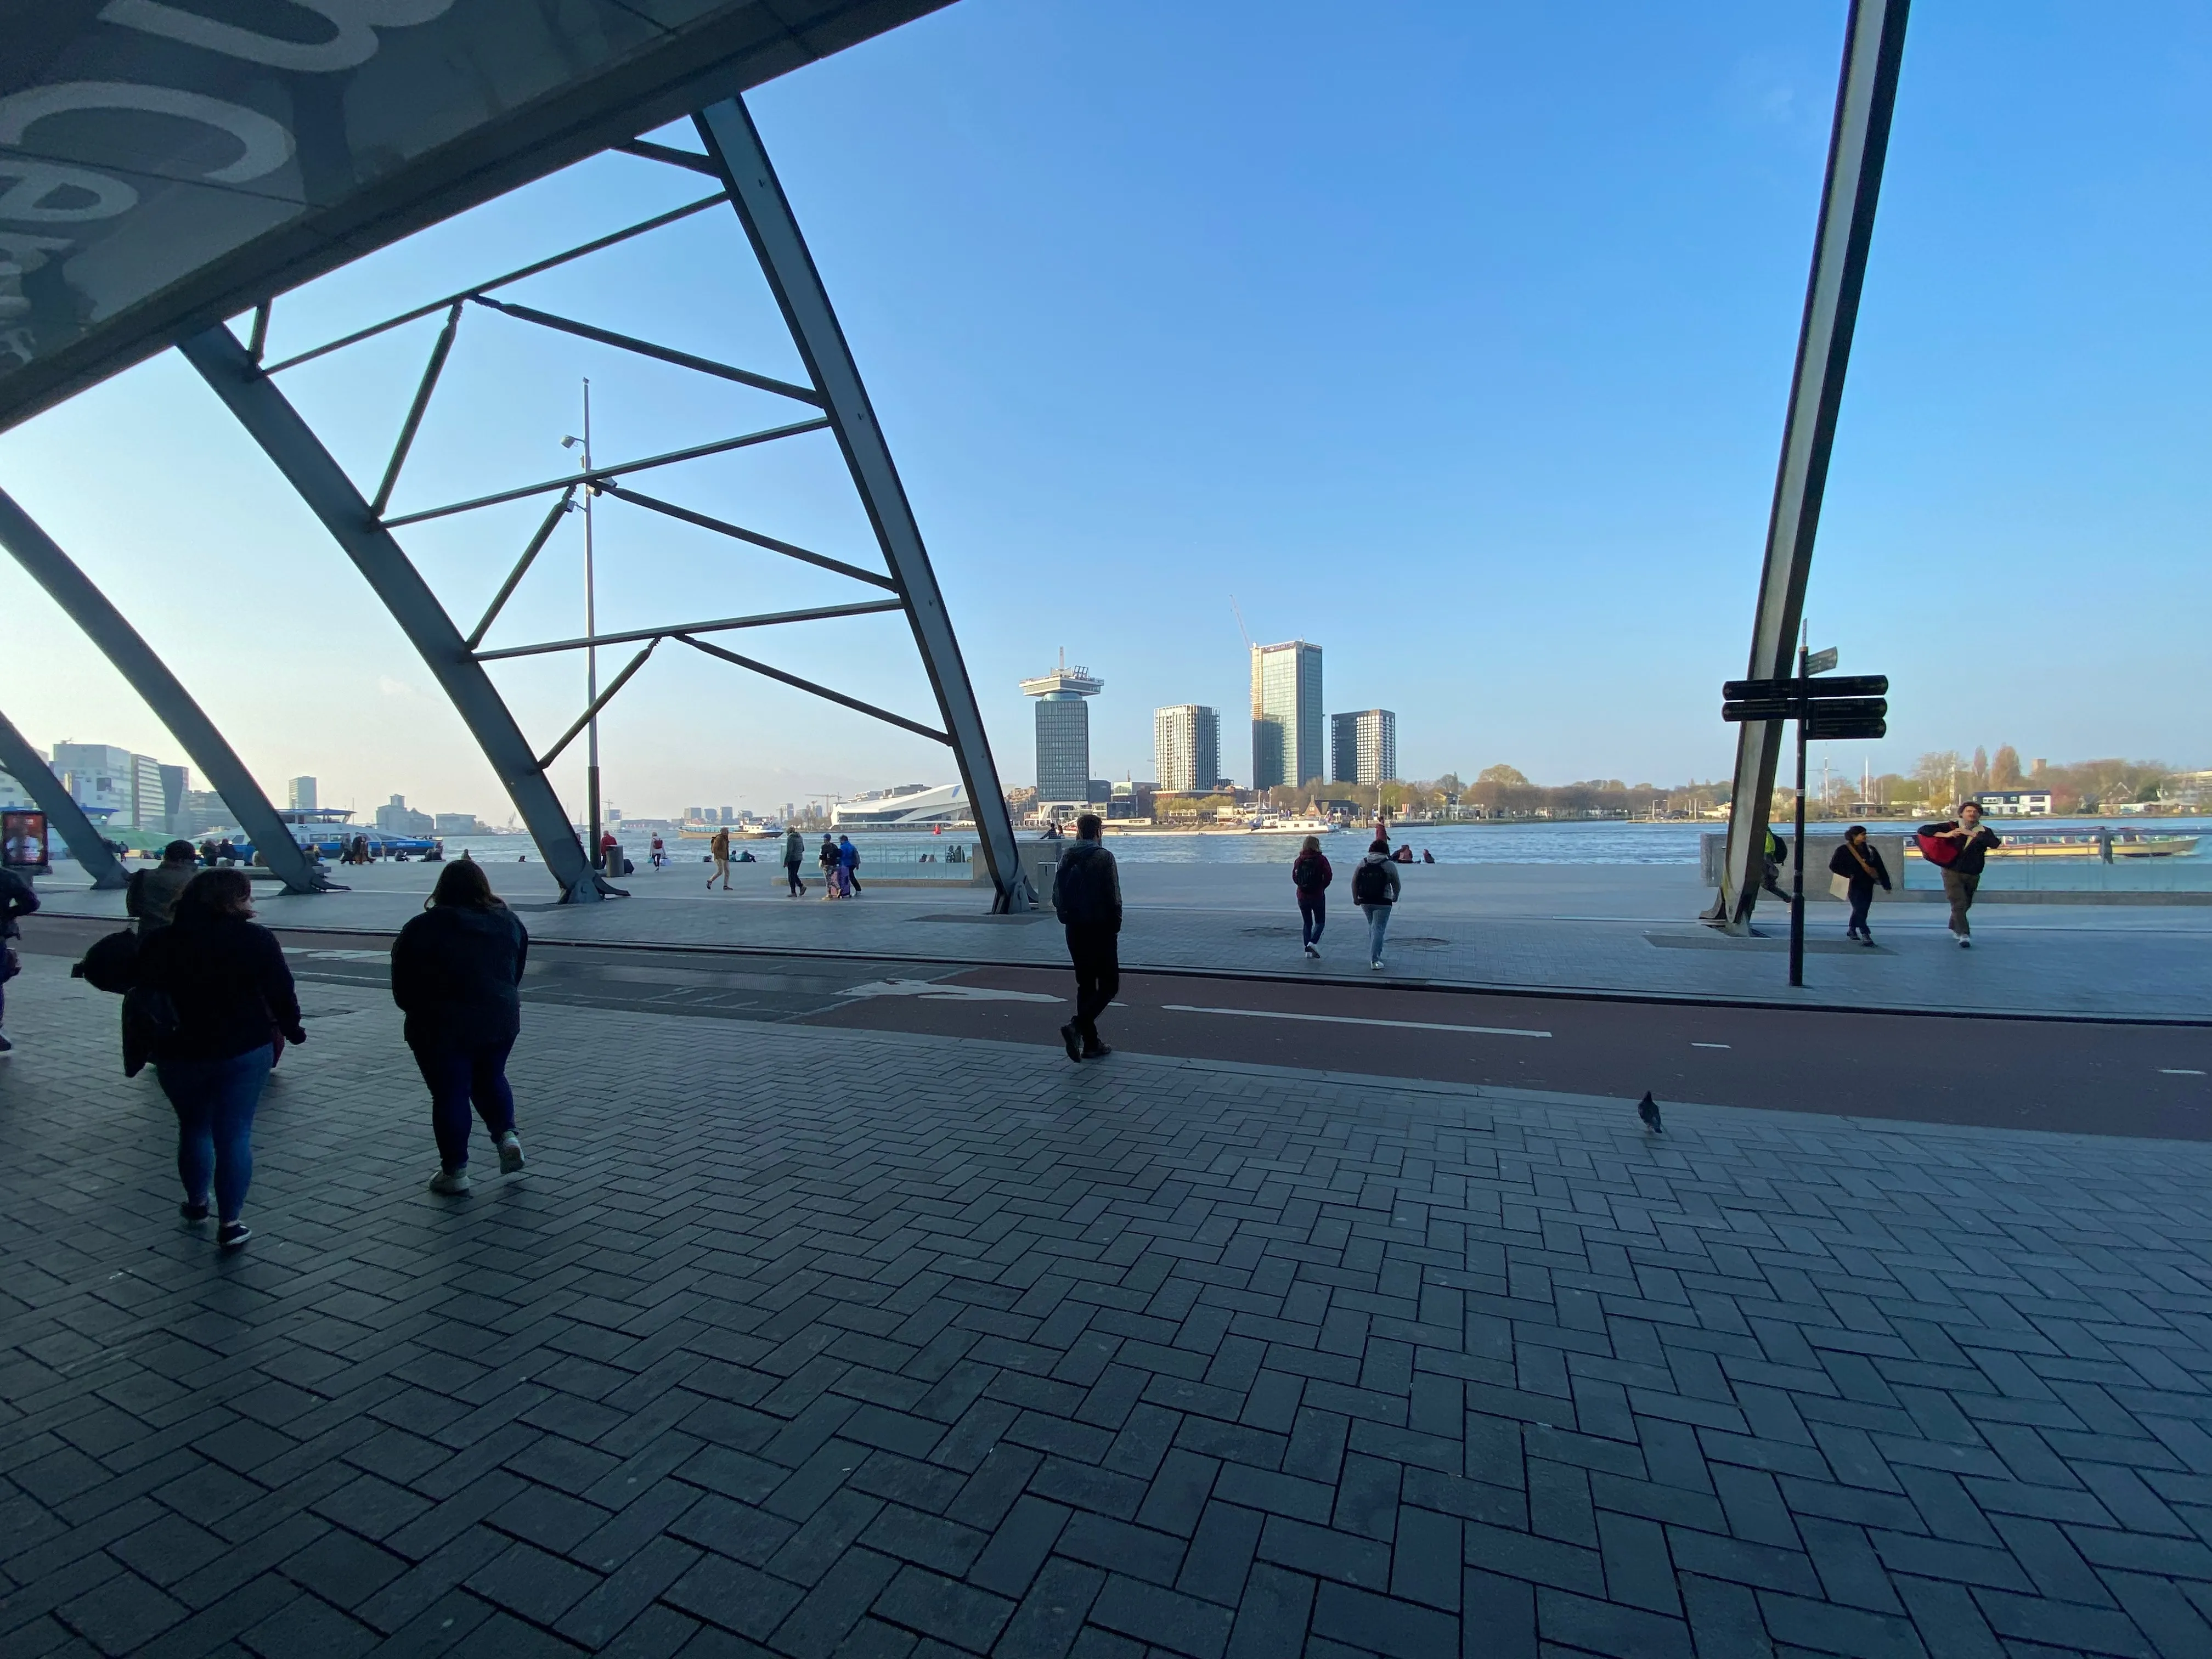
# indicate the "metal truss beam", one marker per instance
pixel 641 228
pixel 726 130
pixel 727 624
pixel 21 762
pixel 264 412
pixel 630 342
pixel 90 609
pixel 739 533
pixel 869 709
pixel 569 481
pixel 1866 97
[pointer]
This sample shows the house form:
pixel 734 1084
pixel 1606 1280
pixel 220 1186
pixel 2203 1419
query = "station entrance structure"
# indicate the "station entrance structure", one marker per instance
pixel 280 145
pixel 163 170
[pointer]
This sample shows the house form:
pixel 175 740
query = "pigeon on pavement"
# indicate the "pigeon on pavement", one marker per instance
pixel 1648 1109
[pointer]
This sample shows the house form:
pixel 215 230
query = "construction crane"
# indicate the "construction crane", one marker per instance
pixel 1241 629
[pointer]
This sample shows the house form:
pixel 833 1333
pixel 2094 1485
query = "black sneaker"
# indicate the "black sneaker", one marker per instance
pixel 192 1212
pixel 231 1233
pixel 1072 1040
pixel 6 1047
pixel 1096 1051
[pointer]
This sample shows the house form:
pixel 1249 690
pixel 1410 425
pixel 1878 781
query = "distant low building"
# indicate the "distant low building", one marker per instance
pixel 908 806
pixel 396 817
pixel 2015 803
pixel 458 824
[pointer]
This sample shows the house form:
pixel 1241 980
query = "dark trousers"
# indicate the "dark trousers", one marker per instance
pixel 458 1076
pixel 1097 975
pixel 214 1101
pixel 791 879
pixel 1959 889
pixel 1862 895
pixel 1313 916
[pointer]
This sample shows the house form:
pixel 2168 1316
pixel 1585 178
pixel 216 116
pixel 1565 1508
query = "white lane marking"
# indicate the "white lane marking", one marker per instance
pixel 1347 1019
pixel 1709 1045
pixel 2178 1071
pixel 937 991
pixel 337 955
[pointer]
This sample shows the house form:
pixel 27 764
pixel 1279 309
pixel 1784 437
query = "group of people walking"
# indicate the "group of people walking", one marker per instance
pixel 208 998
pixel 841 863
pixel 1375 889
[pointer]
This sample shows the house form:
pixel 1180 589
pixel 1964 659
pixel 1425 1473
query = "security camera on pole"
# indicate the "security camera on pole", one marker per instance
pixel 1850 706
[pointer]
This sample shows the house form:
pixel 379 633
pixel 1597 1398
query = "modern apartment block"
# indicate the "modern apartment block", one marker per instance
pixel 1286 714
pixel 1187 747
pixel 1364 747
pixel 137 791
pixel 300 794
pixel 1063 732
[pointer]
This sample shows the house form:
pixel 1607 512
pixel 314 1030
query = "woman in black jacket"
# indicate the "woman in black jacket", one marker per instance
pixel 455 970
pixel 215 982
pixel 1859 862
pixel 1311 875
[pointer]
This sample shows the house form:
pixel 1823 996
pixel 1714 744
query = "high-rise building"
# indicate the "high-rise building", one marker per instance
pixel 1187 747
pixel 1063 732
pixel 300 794
pixel 1286 717
pixel 1364 747
pixel 97 775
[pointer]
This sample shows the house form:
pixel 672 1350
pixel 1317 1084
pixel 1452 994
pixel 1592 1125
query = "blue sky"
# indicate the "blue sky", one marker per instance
pixel 1457 342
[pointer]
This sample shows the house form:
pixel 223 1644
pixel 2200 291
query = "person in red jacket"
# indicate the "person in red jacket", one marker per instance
pixel 1311 875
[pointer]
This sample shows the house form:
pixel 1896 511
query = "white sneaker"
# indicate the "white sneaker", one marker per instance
pixel 451 1183
pixel 1377 965
pixel 1966 943
pixel 510 1153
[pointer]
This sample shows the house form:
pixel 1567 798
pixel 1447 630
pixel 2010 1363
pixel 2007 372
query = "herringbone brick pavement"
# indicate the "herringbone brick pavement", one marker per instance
pixel 816 1343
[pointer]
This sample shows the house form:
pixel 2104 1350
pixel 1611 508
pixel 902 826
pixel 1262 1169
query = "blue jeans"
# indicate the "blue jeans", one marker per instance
pixel 215 1100
pixel 1313 914
pixel 1378 923
pixel 458 1076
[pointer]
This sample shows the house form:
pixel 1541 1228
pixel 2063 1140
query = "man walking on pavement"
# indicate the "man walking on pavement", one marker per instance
pixel 794 854
pixel 718 849
pixel 1086 897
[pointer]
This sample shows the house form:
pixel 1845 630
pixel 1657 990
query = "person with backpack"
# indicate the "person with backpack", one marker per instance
pixel 828 858
pixel 151 895
pixel 1962 875
pixel 1310 876
pixel 211 985
pixel 1859 862
pixel 17 898
pixel 1086 897
pixel 456 971
pixel 848 866
pixel 1375 891
pixel 794 854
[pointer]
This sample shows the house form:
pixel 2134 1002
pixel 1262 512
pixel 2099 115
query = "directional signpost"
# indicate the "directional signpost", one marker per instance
pixel 1840 708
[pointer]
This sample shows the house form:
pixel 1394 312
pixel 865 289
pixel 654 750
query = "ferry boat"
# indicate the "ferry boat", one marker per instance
pixel 2090 844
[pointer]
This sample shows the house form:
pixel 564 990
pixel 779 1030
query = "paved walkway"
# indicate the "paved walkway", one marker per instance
pixel 1614 929
pixel 866 1344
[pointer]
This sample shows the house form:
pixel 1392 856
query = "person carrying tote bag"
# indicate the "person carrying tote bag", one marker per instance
pixel 1857 867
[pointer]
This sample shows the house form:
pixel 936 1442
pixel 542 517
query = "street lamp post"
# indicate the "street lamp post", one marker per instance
pixel 591 652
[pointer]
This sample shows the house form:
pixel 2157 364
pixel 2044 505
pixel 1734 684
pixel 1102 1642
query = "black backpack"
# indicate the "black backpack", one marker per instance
pixel 111 964
pixel 1371 884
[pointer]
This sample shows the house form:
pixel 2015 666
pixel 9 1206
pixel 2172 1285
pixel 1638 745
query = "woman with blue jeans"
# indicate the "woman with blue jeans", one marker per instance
pixel 1375 889
pixel 456 972
pixel 217 991
pixel 1311 875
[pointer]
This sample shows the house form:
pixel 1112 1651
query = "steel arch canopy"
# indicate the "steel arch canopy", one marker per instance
pixel 165 164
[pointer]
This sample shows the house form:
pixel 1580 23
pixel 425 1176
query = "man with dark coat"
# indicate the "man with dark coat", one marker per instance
pixel 1086 897
pixel 151 894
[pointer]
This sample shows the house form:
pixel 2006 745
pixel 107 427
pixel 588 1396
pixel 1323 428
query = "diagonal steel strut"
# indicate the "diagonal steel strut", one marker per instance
pixel 1866 96
pixel 149 677
pixel 21 762
pixel 728 131
pixel 299 455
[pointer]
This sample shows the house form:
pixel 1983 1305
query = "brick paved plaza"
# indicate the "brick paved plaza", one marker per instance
pixel 812 1342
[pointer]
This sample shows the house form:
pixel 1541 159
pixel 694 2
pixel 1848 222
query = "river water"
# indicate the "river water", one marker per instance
pixel 1600 843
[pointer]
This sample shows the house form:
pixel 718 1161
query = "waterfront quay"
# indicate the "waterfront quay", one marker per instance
pixel 837 1313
